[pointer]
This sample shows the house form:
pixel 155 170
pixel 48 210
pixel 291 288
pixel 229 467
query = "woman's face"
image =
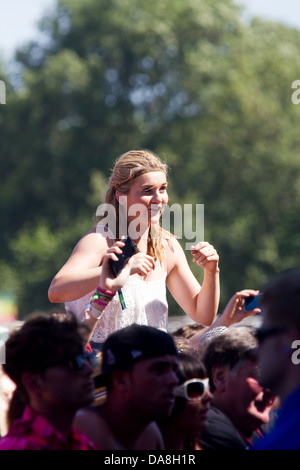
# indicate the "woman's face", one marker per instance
pixel 195 414
pixel 146 198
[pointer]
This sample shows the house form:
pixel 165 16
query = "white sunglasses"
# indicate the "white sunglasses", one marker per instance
pixel 193 389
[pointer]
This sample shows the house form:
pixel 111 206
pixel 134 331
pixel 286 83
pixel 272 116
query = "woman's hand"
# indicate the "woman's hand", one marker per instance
pixel 205 256
pixel 139 263
pixel 108 280
pixel 234 311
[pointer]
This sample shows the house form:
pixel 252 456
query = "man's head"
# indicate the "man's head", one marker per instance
pixel 280 332
pixel 232 367
pixel 45 358
pixel 139 366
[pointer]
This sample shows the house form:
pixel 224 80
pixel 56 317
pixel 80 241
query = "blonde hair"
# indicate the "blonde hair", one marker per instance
pixel 128 166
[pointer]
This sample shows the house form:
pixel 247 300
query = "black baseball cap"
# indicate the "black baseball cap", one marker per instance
pixel 132 344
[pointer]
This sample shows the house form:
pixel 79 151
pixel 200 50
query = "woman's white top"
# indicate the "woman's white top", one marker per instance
pixel 146 304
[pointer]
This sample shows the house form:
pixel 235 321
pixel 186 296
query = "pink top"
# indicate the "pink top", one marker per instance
pixel 34 432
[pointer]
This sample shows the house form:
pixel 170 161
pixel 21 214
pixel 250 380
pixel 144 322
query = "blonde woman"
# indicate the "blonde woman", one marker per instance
pixel 135 201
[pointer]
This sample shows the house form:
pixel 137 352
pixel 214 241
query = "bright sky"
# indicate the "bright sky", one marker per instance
pixel 18 18
pixel 18 23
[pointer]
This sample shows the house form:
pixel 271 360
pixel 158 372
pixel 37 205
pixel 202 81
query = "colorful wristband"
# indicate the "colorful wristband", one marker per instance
pixel 106 292
pixel 103 297
pixel 98 301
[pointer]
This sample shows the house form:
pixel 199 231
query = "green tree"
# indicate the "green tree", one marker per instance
pixel 189 80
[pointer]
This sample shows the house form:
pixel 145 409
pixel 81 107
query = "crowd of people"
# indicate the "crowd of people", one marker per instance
pixel 108 375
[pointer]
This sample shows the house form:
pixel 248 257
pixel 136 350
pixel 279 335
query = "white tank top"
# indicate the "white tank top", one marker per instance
pixel 146 304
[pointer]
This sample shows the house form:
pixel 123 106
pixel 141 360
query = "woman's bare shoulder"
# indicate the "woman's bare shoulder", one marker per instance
pixel 97 238
pixel 173 250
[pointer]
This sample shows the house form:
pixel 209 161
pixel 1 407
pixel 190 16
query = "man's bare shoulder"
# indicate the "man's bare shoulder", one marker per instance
pixel 150 439
pixel 91 423
pixel 94 423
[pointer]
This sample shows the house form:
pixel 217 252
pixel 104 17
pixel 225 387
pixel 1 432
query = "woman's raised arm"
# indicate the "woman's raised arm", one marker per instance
pixel 200 302
pixel 80 274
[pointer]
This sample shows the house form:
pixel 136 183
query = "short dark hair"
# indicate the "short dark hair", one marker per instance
pixel 229 349
pixel 190 366
pixel 281 298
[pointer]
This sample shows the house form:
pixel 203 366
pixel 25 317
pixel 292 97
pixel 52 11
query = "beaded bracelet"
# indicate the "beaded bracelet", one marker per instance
pixel 103 297
pixel 99 302
pixel 94 311
pixel 109 293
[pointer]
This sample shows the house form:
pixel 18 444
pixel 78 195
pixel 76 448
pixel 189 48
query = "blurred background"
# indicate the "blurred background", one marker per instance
pixel 207 85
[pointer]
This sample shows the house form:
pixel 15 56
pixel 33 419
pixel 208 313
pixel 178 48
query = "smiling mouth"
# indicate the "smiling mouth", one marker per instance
pixel 155 209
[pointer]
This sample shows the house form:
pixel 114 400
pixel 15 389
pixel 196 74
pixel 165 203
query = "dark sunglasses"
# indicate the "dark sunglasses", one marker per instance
pixel 263 333
pixel 192 390
pixel 76 363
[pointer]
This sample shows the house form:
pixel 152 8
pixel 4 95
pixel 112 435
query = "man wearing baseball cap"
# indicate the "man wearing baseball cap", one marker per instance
pixel 139 372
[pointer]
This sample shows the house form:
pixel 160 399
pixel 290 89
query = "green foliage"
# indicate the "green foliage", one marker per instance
pixel 185 78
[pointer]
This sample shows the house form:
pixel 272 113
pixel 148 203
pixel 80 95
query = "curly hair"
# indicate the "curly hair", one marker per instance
pixel 39 341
